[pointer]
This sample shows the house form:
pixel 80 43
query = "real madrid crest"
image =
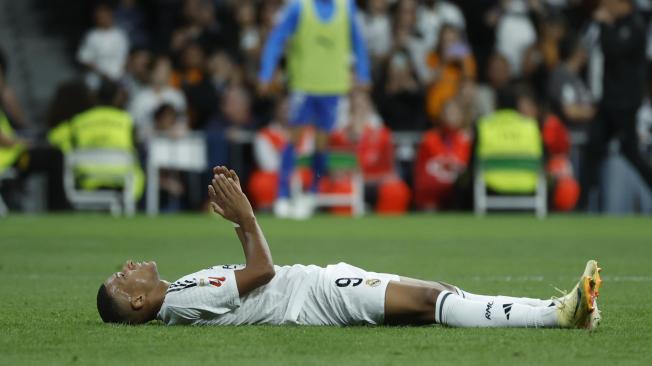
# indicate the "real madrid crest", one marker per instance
pixel 372 282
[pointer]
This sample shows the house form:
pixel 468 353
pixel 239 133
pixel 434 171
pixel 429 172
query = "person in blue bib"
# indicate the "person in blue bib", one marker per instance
pixel 324 40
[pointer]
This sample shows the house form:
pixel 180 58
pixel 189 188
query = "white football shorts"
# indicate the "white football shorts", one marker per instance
pixel 346 295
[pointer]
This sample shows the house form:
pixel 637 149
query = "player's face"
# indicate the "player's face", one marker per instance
pixel 135 278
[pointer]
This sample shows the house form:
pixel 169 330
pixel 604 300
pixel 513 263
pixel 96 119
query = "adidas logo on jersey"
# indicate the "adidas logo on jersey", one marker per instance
pixel 507 308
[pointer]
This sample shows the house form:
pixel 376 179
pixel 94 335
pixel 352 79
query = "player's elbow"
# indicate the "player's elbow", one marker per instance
pixel 266 276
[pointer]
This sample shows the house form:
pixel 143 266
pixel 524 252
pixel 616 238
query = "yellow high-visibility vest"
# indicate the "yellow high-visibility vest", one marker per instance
pixel 320 52
pixel 101 127
pixel 509 151
pixel 8 155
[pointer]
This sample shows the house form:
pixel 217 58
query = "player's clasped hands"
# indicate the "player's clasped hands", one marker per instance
pixel 226 196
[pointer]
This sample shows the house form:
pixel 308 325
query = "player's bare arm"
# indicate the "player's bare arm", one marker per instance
pixel 228 200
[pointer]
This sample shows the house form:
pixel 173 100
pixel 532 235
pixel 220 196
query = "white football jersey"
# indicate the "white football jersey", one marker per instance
pixel 339 294
pixel 211 296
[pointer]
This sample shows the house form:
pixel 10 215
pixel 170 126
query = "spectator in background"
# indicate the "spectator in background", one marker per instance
pixel 481 19
pixel 200 26
pixel 27 159
pixel 377 29
pixel 104 126
pixel 225 131
pixel 474 105
pixel 249 41
pixel 268 146
pixel 501 136
pixel 499 73
pixel 158 92
pixel 9 102
pixel 191 66
pixel 499 77
pixel 398 91
pixel 137 71
pixel 130 18
pixel 443 156
pixel 167 123
pixel 223 72
pixel 570 97
pixel 367 137
pixel 644 122
pixel 104 50
pixel 399 95
pixel 515 33
pixel 543 57
pixel 236 108
pixel 434 14
pixel 198 89
pixel 450 64
pixel 71 98
pixel 23 154
pixel 564 188
pixel 622 41
pixel 408 39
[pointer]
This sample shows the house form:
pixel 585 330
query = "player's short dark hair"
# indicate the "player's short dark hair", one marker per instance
pixel 108 307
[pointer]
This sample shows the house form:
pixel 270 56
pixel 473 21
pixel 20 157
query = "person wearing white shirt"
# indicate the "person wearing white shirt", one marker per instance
pixel 433 14
pixel 408 38
pixel 514 34
pixel 377 28
pixel 104 49
pixel 159 92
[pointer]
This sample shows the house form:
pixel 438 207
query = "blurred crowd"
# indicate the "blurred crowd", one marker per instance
pixel 437 66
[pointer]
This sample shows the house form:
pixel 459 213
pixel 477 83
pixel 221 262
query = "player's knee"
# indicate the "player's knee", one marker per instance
pixel 430 298
pixel 426 312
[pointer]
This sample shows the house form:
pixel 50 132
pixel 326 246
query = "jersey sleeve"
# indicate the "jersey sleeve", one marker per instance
pixel 201 296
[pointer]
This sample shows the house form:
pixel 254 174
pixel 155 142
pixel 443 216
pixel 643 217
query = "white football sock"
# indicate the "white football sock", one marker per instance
pixel 515 300
pixel 456 311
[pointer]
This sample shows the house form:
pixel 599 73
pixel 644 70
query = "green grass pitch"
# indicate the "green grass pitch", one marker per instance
pixel 51 267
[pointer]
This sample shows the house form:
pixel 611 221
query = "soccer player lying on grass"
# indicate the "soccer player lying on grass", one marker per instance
pixel 340 294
